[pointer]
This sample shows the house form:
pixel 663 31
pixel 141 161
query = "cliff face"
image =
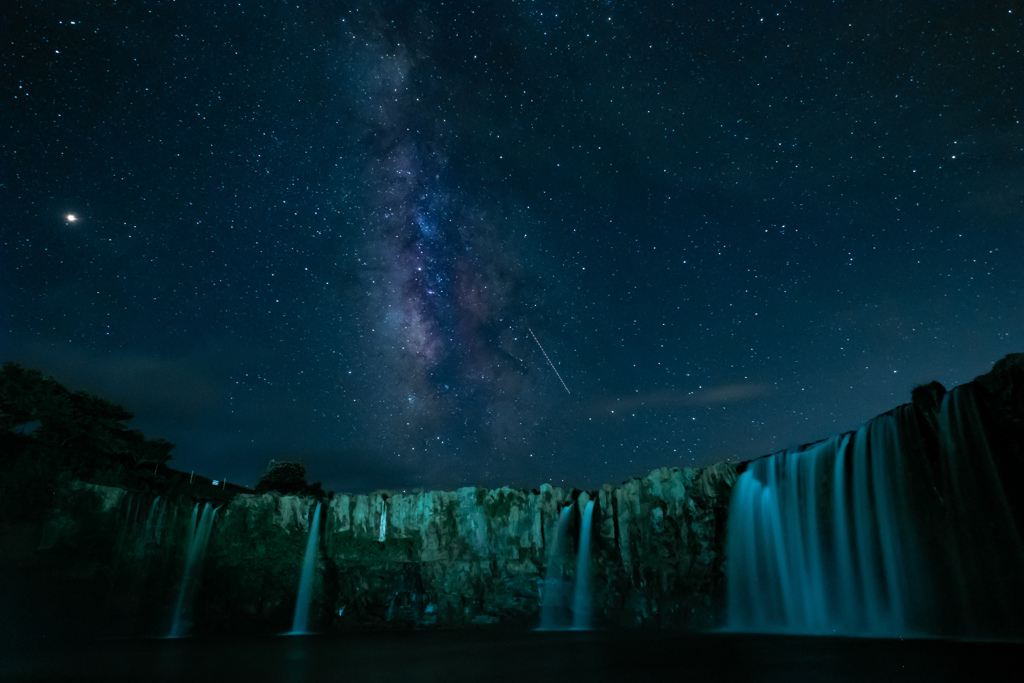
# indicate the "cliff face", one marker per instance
pixel 475 555
pixel 444 558
pixel 115 559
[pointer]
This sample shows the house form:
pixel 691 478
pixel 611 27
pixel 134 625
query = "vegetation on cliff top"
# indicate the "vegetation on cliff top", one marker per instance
pixel 287 477
pixel 49 433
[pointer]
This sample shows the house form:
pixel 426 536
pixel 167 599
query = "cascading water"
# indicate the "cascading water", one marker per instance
pixel 151 533
pixel 582 599
pixel 887 531
pixel 810 557
pixel 984 555
pixel 300 622
pixel 148 535
pixel 198 537
pixel 127 526
pixel 158 527
pixel 553 608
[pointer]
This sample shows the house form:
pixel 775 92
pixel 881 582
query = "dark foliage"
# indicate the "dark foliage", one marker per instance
pixel 283 477
pixel 287 477
pixel 48 431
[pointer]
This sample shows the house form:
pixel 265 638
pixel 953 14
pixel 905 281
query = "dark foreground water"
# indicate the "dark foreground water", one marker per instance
pixel 451 656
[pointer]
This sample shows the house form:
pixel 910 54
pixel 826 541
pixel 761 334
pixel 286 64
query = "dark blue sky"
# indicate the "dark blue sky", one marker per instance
pixel 343 235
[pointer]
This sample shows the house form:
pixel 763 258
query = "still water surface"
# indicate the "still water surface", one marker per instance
pixel 452 656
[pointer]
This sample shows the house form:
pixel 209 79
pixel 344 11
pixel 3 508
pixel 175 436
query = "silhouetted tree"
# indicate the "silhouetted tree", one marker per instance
pixel 283 477
pixel 41 418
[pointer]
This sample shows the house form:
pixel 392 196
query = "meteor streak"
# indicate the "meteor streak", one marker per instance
pixel 549 361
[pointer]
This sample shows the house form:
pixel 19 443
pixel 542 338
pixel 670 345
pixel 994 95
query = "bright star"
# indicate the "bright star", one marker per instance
pixel 71 218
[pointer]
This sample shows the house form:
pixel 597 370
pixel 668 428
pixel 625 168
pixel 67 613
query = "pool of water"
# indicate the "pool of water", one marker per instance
pixel 452 656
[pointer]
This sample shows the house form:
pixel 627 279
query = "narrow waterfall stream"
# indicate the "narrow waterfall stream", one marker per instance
pixel 300 622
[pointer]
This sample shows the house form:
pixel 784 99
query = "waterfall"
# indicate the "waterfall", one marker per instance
pixel 383 522
pixel 147 535
pixel 553 607
pixel 300 623
pixel 198 537
pixel 581 604
pixel 984 555
pixel 128 517
pixel 887 531
pixel 158 527
pixel 127 531
pixel 152 522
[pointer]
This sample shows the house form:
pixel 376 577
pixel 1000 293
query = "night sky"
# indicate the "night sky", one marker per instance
pixel 437 244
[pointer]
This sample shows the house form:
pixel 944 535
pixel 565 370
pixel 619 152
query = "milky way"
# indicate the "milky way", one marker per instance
pixel 323 232
pixel 444 282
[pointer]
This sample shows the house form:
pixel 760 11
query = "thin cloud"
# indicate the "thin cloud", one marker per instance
pixel 667 400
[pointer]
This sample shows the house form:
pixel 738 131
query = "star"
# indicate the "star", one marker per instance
pixel 654 248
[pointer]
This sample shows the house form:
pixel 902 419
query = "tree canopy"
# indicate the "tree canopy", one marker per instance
pixel 284 477
pixel 42 418
pixel 287 477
